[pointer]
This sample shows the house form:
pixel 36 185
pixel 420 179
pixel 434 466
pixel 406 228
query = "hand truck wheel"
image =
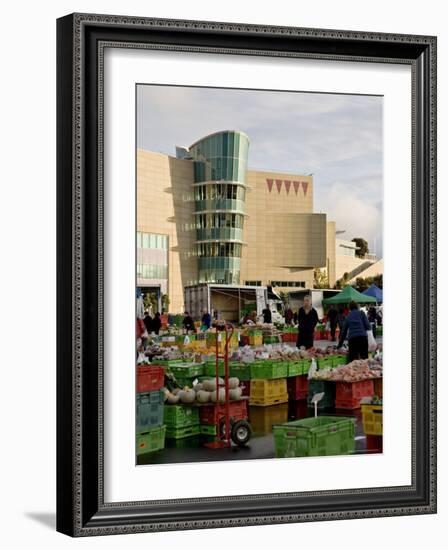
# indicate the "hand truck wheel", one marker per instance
pixel 241 433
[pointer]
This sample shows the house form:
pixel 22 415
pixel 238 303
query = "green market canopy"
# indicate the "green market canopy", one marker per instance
pixel 347 295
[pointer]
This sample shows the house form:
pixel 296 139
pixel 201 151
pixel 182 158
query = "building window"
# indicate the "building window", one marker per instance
pixel 152 241
pixel 206 221
pixel 252 283
pixel 151 271
pixel 295 284
pixel 226 250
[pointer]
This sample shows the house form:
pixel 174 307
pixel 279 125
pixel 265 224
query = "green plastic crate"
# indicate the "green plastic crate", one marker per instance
pixel 208 429
pixel 186 370
pixel 254 332
pixel 324 362
pixel 320 436
pixel 271 340
pixel 318 386
pixel 150 441
pixel 306 365
pixel 149 410
pixel 268 370
pixel 180 416
pixel 295 368
pixel 166 362
pixel 180 433
pixel 338 360
pixel 210 368
pixel 240 370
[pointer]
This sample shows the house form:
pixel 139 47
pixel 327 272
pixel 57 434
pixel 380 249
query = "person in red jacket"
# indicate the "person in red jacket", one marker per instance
pixel 140 328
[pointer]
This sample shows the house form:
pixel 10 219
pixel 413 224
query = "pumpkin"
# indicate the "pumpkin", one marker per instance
pixel 173 399
pixel 203 396
pixel 187 395
pixel 235 393
pixel 233 383
pixel 222 396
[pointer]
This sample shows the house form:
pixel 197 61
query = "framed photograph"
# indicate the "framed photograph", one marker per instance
pixel 234 204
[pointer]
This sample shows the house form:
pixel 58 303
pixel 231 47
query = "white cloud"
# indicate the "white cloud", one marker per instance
pixel 354 214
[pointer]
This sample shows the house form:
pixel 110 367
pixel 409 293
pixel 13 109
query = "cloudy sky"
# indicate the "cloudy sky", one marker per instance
pixel 337 138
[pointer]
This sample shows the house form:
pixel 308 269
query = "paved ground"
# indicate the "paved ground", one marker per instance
pixel 260 446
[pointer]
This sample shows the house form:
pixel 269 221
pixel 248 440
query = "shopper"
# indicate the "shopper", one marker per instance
pixel 206 320
pixel 246 319
pixel 372 317
pixel 156 323
pixel 288 316
pixel 308 319
pixel 341 317
pixel 267 314
pixel 332 317
pixel 188 322
pixel 141 333
pixel 147 319
pixel 355 327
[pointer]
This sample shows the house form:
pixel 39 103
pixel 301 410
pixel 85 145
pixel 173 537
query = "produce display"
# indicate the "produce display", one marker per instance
pixel 271 386
pixel 360 369
pixel 204 392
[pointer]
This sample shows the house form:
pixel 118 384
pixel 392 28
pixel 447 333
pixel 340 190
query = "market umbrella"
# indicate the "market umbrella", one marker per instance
pixel 374 291
pixel 347 295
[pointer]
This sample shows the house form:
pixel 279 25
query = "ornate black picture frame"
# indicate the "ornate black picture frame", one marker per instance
pixel 81 40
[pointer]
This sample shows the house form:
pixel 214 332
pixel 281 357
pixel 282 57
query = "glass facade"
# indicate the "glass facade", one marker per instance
pixel 150 271
pixel 152 256
pixel 220 165
pixel 152 241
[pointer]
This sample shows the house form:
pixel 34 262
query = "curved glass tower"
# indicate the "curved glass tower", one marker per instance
pixel 220 164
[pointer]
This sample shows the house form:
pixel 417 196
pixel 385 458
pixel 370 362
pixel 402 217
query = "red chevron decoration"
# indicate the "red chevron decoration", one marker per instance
pixel 305 187
pixel 278 183
pixel 287 186
pixel 296 186
pixel 270 184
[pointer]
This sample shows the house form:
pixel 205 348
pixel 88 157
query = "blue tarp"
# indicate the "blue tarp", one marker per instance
pixel 375 292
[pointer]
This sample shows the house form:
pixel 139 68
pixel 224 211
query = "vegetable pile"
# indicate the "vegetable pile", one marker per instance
pixel 360 369
pixel 205 392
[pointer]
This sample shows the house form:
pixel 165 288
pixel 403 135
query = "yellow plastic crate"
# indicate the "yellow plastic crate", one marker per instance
pixel 262 419
pixel 372 419
pixel 256 340
pixel 268 392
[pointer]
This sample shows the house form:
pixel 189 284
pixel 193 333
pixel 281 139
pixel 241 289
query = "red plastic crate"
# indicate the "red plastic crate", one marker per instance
pixel 298 409
pixel 150 378
pixel 374 443
pixel 245 386
pixel 378 386
pixel 211 414
pixel 349 394
pixel 298 387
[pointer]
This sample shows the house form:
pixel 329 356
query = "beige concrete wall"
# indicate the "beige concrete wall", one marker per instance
pixel 165 206
pixel 346 264
pixel 374 269
pixel 284 238
pixel 331 256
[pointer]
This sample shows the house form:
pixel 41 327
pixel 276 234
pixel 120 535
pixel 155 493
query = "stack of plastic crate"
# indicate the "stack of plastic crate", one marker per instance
pixel 150 431
pixel 181 421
